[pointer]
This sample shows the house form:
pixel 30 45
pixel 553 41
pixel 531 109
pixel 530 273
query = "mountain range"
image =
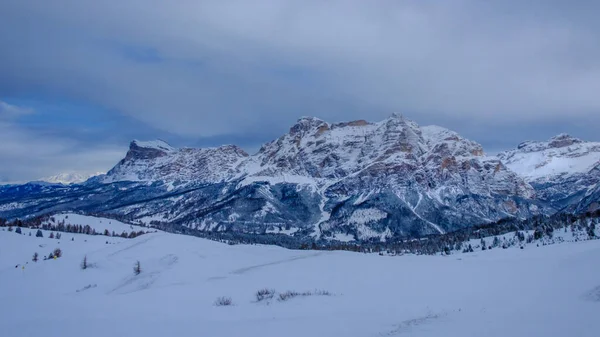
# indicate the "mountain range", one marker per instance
pixel 351 181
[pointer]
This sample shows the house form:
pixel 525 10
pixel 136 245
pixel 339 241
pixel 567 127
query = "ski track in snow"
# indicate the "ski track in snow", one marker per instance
pixel 146 279
pixel 407 326
pixel 258 266
pixel 145 239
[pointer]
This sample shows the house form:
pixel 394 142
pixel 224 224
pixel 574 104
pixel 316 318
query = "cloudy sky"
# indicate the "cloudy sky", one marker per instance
pixel 79 78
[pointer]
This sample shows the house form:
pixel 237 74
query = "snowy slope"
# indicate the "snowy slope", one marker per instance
pixel 547 291
pixel 562 169
pixel 97 223
pixel 562 155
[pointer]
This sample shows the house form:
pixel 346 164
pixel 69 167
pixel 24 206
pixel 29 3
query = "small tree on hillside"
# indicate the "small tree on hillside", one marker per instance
pixel 137 269
pixel 39 234
pixel 35 257
pixel 591 230
pixel 57 253
pixel 84 263
pixel 18 230
pixel 51 235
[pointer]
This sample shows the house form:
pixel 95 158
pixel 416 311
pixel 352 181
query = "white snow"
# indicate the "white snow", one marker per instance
pixel 539 160
pixel 155 144
pixel 69 177
pixel 97 223
pixel 364 216
pixel 549 291
pixel 539 165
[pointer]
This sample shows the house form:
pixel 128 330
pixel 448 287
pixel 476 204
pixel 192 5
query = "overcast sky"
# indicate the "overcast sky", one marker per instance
pixel 79 78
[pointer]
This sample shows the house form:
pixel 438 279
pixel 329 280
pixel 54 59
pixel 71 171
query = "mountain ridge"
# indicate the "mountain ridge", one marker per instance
pixel 353 180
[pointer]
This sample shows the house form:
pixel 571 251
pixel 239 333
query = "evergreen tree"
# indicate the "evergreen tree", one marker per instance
pixel 35 257
pixel 39 234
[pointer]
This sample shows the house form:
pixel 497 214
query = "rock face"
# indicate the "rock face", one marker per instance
pixel 562 169
pixel 345 181
pixel 158 161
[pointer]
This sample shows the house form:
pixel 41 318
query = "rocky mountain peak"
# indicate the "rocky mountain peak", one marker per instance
pixel 306 124
pixel 563 140
pixel 148 149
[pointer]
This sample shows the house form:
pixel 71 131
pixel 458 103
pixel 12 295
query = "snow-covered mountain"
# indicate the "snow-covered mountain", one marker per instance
pixel 347 181
pixel 562 169
pixel 68 178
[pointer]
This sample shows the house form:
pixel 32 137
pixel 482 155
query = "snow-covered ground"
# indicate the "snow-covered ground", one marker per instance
pixel 97 223
pixel 537 291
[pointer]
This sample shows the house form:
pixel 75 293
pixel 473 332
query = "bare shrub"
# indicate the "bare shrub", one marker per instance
pixel 57 253
pixel 223 301
pixel 322 293
pixel 288 295
pixel 291 294
pixel 264 294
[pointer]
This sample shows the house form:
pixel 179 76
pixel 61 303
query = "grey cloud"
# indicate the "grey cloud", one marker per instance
pixel 240 67
pixel 27 155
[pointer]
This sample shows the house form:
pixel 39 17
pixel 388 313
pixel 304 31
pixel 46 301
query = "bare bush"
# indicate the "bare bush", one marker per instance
pixel 322 293
pixel 223 301
pixel 264 294
pixel 57 253
pixel 291 294
pixel 288 295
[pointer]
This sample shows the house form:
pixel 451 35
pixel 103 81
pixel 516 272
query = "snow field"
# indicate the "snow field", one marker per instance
pixel 545 291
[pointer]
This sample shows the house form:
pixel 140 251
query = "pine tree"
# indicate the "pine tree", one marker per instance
pixel 137 269
pixel 591 230
pixel 39 234
pixel 35 257
pixel 84 263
